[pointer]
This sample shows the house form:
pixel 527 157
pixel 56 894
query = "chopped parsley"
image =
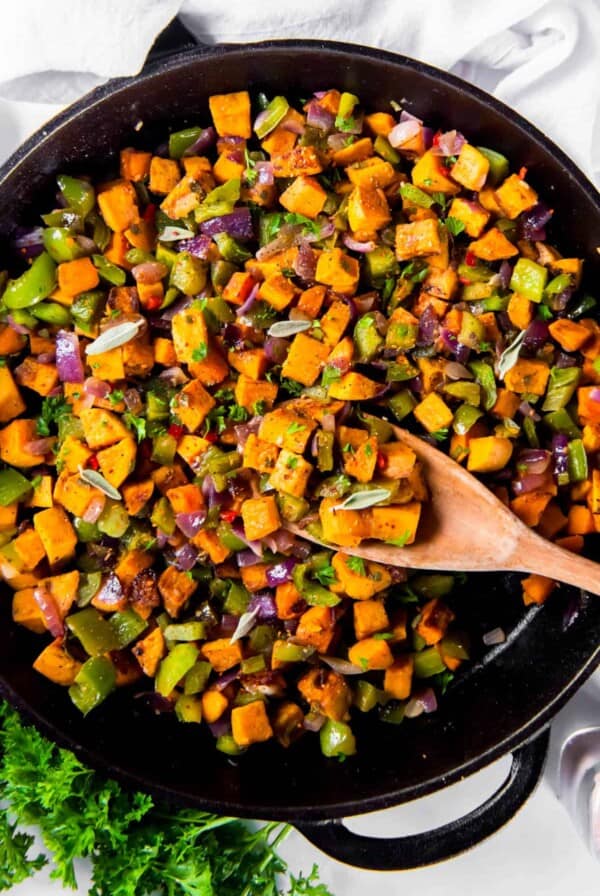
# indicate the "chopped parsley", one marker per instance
pixel 116 396
pixel 346 124
pixel 454 225
pixel 250 173
pixel 330 375
pixel 357 565
pixel 295 427
pixel 440 435
pixel 364 663
pixel 200 352
pixel 309 225
pixel 291 463
pixel 401 541
pixel 54 408
pixel 292 387
pixel 325 575
pixel 136 424
pixel 368 449
pixel 383 636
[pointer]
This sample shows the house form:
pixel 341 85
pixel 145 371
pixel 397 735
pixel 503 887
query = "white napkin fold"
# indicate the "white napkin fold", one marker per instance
pixel 540 57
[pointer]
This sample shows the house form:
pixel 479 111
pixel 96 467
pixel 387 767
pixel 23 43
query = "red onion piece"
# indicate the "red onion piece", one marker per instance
pixel 39 446
pixel 305 263
pixel 47 358
pixel 405 115
pixel 68 359
pixel 319 117
pixel 595 394
pixel 456 371
pixel 357 245
pixel 174 375
pixel 49 610
pixel 265 171
pixel 343 667
pixel 28 238
pixel 111 591
pixel 403 132
pixel 133 401
pixel 535 459
pixel 203 141
pixel 328 422
pixel 247 558
pixel 292 125
pixel 149 272
pixel 276 349
pixel 428 327
pixel 190 523
pixel 528 411
pixel 280 542
pixel 227 678
pixel 237 224
pixel 423 702
pixel 281 572
pixel 177 308
pixel 245 308
pixel 94 509
pixel 449 144
pixel 314 721
pixel 528 483
pixel 336 142
pixel 536 335
pixel 221 727
pixel 461 352
pixel 366 302
pixel 238 531
pixel 505 273
pixel 243 430
pixel 185 557
pixel 18 328
pixel 263 604
pixel 162 539
pixel 199 246
pixel 533 222
pixel 96 387
pixel 560 454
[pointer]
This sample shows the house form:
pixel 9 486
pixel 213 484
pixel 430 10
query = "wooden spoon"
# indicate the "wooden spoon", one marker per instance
pixel 465 527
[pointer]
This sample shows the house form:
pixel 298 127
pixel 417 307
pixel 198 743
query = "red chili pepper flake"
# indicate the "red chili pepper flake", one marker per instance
pixel 211 437
pixel 93 462
pixel 436 138
pixel 470 259
pixel 522 173
pixel 464 281
pixel 175 430
pixel 228 515
pixel 153 303
pixel 149 213
pixel 382 461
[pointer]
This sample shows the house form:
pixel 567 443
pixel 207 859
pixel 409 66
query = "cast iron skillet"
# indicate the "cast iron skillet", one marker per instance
pixel 505 700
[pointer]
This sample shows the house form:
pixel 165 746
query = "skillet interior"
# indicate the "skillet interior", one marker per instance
pixel 500 701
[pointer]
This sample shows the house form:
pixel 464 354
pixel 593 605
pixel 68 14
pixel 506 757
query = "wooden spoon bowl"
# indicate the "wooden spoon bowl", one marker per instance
pixel 464 527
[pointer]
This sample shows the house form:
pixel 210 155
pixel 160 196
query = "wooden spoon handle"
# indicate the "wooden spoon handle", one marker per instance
pixel 535 554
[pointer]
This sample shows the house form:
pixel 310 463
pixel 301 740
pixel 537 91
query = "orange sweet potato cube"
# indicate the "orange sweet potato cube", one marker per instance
pixel 417 239
pixel 305 196
pixel 250 724
pixel 493 246
pixel 369 617
pixel 278 291
pixel 472 215
pixel 514 196
pixel 305 359
pixel 398 677
pixel 118 205
pixel 164 175
pixel 231 114
pixel 471 168
pixel 368 209
pixel 339 271
pixel 260 517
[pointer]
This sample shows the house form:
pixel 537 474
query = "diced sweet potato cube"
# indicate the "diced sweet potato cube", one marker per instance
pixel 396 523
pixel 581 520
pixel 339 271
pixel 118 461
pixel 305 359
pixel 434 619
pixel 250 724
pixel 222 654
pixel 316 628
pixel 368 209
pixel 352 581
pixel 373 173
pixel 398 677
pixel 238 287
pixel 288 723
pixel 118 205
pixel 57 534
pixel 214 704
pixel 55 663
pixel 356 152
pixel 207 541
pixel 399 459
pixel 369 617
pixel 102 428
pixel 520 311
pixel 164 175
pixel 371 654
pixel 433 413
pixel 326 692
pixel 528 375
pixel 569 334
pixel 29 548
pixel 26 611
pixel 149 651
pixel 471 168
pixel 135 164
pixel 227 168
pixel 260 516
pixel 342 527
pixel 278 291
pixel 231 114
pixel 189 332
pixel 514 196
pixel 417 239
pixel 252 362
pixel 108 365
pixel 251 393
pixel 11 402
pixel 305 196
pixel 354 387
pixel 286 429
pixel 429 175
pixel 192 404
pixel 297 161
pixel 291 474
pixel 472 215
pixel 77 276
pixel 507 404
pixel 136 495
pixel 13 438
pixel 334 322
pixel 310 301
pixel 176 588
pixel 537 589
pixel 259 454
pixel 488 454
pixel 290 603
pixel 493 246
pixel 254 577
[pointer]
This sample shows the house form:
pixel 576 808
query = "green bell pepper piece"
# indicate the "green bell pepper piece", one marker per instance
pixel 163 517
pixel 472 331
pixel 384 148
pixel 380 263
pixel 157 406
pixel 484 375
pixel 188 708
pixel 465 417
pixel 195 630
pixel 367 696
pixel 531 432
pixel 499 166
pixel 337 739
pixel 33 286
pixel 188 274
pixel 427 662
pixel 237 599
pixel 231 249
pixel 216 313
pixel 114 519
pixel 577 462
pixel 87 308
pixel 477 273
pixel 197 678
pixel 127 626
pixel 164 447
pixel 313 593
pixel 292 508
pixel 401 371
pixel 325 441
pixel 392 713
pixel 434 585
pixel 333 487
pixel 13 486
pixel 86 532
pixel 95 632
pixel 181 140
pixel 367 339
pixel 466 391
pixel 94 682
pixel 89 583
pixel 174 667
pixel 262 638
pixel 271 116
pixel 529 279
pixel 454 645
pixel 400 336
pixel 561 387
pixel 25 318
pixel 562 422
pixel 52 313
pixel 226 744
pixel 165 255
pixel 253 665
pixel 286 652
pixel 61 245
pixel 584 306
pixel 416 196
pixel 219 201
pixel 402 404
pixel 220 274
pixel 110 272
pixel 78 194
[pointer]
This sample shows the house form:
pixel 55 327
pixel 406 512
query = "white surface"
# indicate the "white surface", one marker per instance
pixel 544 65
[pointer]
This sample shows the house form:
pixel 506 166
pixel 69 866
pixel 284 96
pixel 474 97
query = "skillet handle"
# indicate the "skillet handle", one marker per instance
pixel 418 850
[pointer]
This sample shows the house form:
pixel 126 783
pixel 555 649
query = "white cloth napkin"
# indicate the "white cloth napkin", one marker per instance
pixel 543 58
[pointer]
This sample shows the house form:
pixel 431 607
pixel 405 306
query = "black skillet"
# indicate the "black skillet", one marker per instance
pixel 504 702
